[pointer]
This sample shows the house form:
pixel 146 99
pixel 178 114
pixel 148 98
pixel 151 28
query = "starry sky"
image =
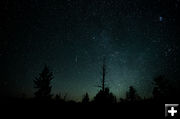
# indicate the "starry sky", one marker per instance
pixel 139 38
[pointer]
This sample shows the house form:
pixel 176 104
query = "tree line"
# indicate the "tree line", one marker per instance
pixel 163 90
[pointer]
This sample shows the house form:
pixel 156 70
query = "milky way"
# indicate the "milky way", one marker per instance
pixel 140 40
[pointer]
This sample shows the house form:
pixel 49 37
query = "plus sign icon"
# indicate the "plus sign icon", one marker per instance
pixel 171 110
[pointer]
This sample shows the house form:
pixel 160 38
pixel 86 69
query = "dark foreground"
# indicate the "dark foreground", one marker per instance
pixel 53 109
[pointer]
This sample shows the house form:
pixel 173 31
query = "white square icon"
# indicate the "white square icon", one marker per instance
pixel 172 111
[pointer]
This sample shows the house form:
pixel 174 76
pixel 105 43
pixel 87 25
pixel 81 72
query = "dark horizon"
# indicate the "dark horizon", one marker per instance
pixel 140 40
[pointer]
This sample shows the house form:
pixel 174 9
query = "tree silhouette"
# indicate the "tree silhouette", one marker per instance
pixel 131 95
pixel 85 99
pixel 104 95
pixel 59 98
pixel 42 84
pixel 103 81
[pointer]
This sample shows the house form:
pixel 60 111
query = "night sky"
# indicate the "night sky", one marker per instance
pixel 139 38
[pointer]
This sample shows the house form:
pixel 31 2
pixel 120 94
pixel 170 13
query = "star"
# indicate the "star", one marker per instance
pixel 161 18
